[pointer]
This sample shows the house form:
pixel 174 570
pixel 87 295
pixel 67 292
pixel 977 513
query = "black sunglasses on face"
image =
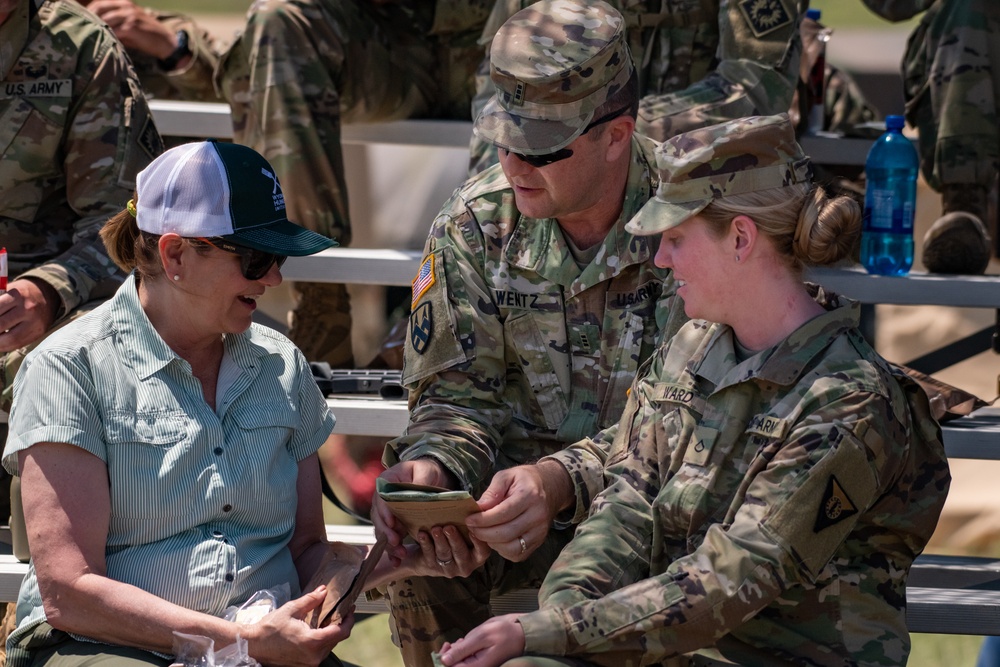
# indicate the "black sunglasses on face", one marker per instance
pixel 539 161
pixel 253 263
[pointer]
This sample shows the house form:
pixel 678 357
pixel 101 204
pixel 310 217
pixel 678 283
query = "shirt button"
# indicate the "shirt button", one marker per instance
pixel 229 577
pixel 227 507
pixel 218 451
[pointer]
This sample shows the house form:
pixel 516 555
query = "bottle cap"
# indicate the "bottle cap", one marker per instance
pixel 813 14
pixel 894 122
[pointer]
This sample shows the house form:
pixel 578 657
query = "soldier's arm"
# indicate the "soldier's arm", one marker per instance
pixel 756 72
pixel 109 139
pixel 770 544
pixel 193 79
pixel 454 365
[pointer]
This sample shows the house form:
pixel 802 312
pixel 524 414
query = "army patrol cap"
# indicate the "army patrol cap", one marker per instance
pixel 553 64
pixel 736 157
pixel 211 189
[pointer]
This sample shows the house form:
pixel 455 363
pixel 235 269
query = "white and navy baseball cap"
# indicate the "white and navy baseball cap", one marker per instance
pixel 212 189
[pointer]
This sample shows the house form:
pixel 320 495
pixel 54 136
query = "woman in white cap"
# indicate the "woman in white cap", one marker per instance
pixel 167 445
pixel 772 478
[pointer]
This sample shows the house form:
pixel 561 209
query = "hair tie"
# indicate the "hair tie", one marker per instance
pixel 130 207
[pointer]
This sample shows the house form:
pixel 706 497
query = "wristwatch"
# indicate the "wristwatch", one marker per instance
pixel 170 62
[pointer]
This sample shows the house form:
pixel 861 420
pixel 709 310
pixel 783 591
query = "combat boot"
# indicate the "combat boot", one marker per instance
pixel 958 242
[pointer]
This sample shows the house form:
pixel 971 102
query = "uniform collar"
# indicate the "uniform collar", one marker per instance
pixel 782 364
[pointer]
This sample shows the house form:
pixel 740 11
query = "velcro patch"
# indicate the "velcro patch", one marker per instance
pixel 835 506
pixel 36 88
pixel 421 327
pixel 765 16
pixel 423 281
pixel 767 426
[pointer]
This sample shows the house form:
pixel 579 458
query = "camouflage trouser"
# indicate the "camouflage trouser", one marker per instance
pixel 428 611
pixel 300 68
pixel 951 80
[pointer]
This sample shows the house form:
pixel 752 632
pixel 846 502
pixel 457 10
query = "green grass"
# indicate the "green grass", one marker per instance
pixel 839 14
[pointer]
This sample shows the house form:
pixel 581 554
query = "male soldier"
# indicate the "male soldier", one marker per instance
pixel 174 57
pixel 300 68
pixel 951 81
pixel 532 310
pixel 700 62
pixel 76 131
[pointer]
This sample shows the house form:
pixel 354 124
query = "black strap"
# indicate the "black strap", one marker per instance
pixel 332 496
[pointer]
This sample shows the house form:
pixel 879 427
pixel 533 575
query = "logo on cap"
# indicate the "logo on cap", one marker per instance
pixel 276 195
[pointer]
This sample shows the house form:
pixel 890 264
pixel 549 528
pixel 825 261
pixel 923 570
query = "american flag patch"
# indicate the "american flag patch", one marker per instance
pixel 423 281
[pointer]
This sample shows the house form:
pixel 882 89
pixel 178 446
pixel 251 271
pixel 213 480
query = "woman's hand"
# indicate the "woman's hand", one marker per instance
pixel 491 644
pixel 443 552
pixel 283 637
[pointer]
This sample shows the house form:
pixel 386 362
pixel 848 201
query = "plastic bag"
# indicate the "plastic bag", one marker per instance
pixel 199 651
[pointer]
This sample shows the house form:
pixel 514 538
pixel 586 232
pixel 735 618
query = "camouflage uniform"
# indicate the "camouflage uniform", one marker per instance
pixel 300 68
pixel 766 509
pixel 76 130
pixel 513 353
pixel 951 81
pixel 700 61
pixel 516 347
pixel 192 82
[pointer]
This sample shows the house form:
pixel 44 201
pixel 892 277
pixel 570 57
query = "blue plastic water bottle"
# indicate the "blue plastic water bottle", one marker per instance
pixel 890 201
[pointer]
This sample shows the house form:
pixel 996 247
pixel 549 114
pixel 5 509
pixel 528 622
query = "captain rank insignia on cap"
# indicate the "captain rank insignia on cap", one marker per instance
pixel 835 506
pixel 764 16
pixel 421 327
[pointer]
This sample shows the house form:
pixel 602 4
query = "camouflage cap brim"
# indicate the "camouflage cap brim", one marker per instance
pixel 527 136
pixel 657 216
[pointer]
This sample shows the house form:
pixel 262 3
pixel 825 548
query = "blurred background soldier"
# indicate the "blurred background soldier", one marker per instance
pixel 174 58
pixel 700 62
pixel 951 82
pixel 303 67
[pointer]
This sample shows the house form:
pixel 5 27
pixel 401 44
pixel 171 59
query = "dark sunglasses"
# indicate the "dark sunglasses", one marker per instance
pixel 539 161
pixel 253 263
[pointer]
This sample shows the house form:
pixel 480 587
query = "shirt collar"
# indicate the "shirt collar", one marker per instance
pixel 144 349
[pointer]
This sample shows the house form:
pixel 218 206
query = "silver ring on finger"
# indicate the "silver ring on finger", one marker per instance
pixel 442 563
pixel 524 545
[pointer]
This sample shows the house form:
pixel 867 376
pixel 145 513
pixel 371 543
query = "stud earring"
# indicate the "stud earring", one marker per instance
pixel 176 277
pixel 737 259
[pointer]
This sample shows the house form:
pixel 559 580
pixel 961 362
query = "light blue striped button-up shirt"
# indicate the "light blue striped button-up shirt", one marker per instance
pixel 202 501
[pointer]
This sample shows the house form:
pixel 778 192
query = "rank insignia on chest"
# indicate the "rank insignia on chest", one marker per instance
pixel 423 281
pixel 421 326
pixel 835 506
pixel 765 16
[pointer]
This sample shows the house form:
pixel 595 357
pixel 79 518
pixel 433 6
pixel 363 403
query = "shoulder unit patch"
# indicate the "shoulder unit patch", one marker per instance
pixel 421 326
pixel 764 16
pixel 835 506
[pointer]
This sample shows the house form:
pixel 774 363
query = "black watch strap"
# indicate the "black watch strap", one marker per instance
pixel 183 49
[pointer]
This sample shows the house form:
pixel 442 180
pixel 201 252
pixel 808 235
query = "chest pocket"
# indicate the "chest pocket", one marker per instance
pixel 540 399
pixel 29 142
pixel 146 457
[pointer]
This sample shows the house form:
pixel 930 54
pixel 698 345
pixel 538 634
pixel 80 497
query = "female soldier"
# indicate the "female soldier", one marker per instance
pixel 772 478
